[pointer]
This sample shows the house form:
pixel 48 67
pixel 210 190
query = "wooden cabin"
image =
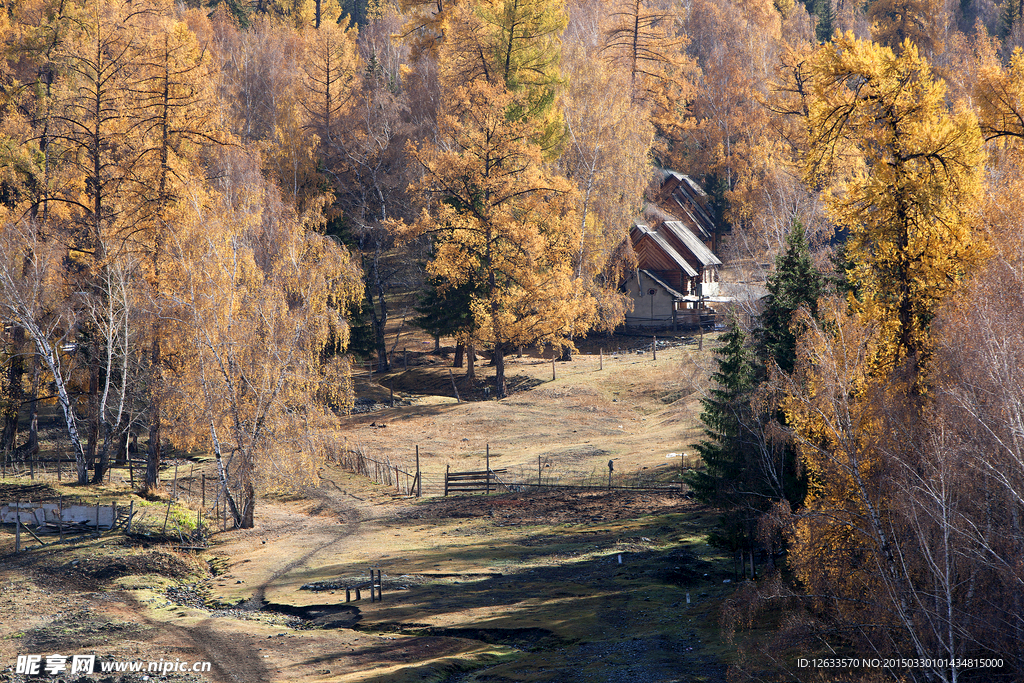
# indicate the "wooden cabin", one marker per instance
pixel 677 269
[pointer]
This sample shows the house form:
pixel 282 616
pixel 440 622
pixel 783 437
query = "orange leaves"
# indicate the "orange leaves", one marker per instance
pixel 500 221
pixel 256 307
pixel 903 175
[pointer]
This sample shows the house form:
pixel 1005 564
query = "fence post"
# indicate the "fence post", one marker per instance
pixel 457 398
pixel 204 489
pixel 552 368
pixel 174 485
pixel 488 461
pixel 538 470
pixel 419 481
pixel 600 359
pixel 166 516
pixel 654 347
pixel 371 585
pixel 17 528
pixel 447 468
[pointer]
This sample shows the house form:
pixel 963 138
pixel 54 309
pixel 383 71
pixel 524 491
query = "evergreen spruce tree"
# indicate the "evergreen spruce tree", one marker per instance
pixel 728 447
pixel 826 20
pixel 362 341
pixel 445 312
pixel 795 282
pixel 1009 16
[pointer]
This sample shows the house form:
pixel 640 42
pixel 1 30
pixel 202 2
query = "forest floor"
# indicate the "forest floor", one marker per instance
pixel 535 585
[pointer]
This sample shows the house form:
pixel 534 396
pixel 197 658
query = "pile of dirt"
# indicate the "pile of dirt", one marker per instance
pixel 92 572
pixel 81 629
pixel 551 507
pixel 12 493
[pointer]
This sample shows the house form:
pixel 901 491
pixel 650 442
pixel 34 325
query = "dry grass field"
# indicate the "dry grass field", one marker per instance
pixel 535 585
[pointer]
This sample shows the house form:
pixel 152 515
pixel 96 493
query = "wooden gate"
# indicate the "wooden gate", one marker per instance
pixel 480 481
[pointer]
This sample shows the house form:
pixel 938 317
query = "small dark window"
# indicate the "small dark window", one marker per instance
pixel 652 292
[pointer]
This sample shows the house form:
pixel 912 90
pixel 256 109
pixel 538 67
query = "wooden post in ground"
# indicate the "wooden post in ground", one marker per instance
pixel 700 326
pixel 682 470
pixel 447 469
pixel 538 470
pixel 166 516
pixel 204 489
pixel 654 347
pixel 600 360
pixel 380 585
pixel 348 595
pixel 174 485
pixel 131 513
pixel 17 528
pixel 113 514
pixel 419 480
pixel 358 597
pixel 452 376
pixel 552 368
pixel 371 585
pixel 488 462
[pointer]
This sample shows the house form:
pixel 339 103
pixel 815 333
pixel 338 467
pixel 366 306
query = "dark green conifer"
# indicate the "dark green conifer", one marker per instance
pixel 444 312
pixel 826 16
pixel 729 447
pixel 795 282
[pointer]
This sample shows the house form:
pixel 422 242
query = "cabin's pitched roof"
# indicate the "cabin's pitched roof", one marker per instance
pixel 647 243
pixel 693 243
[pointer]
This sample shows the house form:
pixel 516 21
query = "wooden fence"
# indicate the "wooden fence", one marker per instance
pixel 383 472
pixel 549 474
